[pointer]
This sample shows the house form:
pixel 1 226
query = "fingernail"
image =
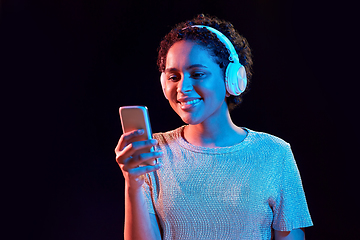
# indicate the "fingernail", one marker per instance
pixel 140 131
pixel 153 141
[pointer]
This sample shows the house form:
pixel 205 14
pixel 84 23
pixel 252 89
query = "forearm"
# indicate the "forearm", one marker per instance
pixel 137 219
pixel 295 234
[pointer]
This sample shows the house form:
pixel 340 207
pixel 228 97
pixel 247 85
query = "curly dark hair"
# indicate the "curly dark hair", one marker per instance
pixel 203 37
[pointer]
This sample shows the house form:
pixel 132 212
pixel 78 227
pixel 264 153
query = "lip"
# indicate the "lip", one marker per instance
pixel 187 103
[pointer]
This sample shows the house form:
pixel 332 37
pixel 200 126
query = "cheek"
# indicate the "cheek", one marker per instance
pixel 221 86
pixel 170 90
pixel 214 88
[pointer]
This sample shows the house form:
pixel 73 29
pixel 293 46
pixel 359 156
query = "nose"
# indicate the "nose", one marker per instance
pixel 184 85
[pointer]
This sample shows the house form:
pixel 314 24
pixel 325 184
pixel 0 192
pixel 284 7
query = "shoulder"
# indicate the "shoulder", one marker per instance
pixel 169 136
pixel 266 140
pixel 274 151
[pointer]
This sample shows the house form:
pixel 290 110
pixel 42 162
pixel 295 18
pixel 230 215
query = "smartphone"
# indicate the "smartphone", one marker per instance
pixel 134 118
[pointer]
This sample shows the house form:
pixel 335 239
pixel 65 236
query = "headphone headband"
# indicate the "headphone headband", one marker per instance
pixel 233 54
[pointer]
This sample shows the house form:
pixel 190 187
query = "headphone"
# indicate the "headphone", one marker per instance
pixel 235 74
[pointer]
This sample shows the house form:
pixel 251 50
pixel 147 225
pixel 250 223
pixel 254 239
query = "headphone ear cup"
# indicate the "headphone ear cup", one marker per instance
pixel 163 82
pixel 242 79
pixel 235 78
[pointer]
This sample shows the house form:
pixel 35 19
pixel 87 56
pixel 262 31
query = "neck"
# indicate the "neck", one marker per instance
pixel 215 132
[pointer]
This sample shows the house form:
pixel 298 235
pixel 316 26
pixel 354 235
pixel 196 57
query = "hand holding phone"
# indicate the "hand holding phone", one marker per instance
pixel 135 118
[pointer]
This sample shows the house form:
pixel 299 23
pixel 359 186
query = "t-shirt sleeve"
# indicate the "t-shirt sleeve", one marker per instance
pixel 148 193
pixel 290 210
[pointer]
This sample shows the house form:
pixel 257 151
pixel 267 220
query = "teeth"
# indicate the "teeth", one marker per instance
pixel 191 102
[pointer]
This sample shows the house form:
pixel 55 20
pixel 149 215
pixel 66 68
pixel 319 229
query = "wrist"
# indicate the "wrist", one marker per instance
pixel 133 189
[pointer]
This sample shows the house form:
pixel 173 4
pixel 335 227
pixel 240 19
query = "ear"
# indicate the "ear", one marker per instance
pixel 242 79
pixel 163 83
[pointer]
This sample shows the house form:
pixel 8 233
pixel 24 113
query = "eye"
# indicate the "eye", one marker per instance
pixel 172 77
pixel 198 75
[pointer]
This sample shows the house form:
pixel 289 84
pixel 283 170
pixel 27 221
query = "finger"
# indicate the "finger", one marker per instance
pixel 131 148
pixel 122 162
pixel 126 138
pixel 137 172
pixel 141 159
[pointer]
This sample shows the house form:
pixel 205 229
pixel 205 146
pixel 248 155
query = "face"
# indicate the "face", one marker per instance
pixel 194 84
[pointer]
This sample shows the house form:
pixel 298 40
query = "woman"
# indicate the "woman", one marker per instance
pixel 212 179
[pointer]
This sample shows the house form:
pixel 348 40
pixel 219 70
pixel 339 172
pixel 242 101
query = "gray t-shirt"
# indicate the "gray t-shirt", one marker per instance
pixel 238 192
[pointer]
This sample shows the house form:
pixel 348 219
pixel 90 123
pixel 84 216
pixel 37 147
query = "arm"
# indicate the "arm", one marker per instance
pixel 139 224
pixel 295 234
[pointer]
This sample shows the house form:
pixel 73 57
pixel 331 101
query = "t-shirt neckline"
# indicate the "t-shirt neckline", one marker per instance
pixel 178 134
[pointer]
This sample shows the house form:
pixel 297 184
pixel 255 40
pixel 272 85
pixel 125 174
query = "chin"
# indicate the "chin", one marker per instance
pixel 189 118
pixel 190 121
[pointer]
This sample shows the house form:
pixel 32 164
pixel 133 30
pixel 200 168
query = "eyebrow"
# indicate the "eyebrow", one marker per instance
pixel 188 68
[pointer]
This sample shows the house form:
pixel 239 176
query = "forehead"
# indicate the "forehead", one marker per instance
pixel 185 52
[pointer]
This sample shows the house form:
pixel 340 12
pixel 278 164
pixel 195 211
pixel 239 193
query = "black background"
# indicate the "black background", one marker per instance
pixel 68 65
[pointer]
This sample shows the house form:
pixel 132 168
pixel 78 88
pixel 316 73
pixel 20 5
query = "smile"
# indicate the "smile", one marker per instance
pixel 189 104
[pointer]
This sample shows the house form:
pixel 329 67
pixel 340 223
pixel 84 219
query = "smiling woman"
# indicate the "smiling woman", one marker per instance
pixel 213 180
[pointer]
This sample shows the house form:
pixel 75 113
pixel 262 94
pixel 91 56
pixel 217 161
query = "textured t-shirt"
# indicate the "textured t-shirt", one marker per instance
pixel 238 192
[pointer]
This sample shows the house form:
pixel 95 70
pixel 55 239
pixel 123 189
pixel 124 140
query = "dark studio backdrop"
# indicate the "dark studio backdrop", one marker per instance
pixel 68 66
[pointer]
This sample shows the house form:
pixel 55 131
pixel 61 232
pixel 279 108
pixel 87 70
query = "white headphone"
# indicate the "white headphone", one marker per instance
pixel 235 74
